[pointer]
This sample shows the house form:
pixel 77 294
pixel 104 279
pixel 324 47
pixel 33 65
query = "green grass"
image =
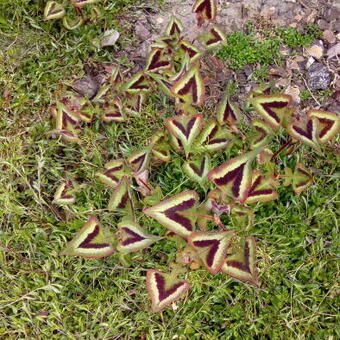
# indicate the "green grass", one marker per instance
pixel 45 296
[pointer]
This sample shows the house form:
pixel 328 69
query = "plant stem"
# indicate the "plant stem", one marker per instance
pixel 289 142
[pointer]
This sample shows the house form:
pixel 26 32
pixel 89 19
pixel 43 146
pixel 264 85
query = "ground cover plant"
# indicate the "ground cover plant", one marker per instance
pixel 83 196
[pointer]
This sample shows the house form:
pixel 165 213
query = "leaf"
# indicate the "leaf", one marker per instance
pixel 206 9
pixel 261 189
pixel 113 112
pixel 262 134
pixel 70 24
pixel 113 172
pixel 139 160
pixel 82 3
pixel 176 213
pixel 213 138
pixel 233 177
pixel 273 108
pixel 212 247
pixel 91 241
pixel 163 289
pixel 185 47
pixel 121 197
pixel 228 112
pixel 133 104
pixel 134 238
pixel 328 124
pixel 302 178
pixel 174 27
pixel 53 10
pixel 137 83
pixel 213 38
pixel 306 133
pixel 157 60
pixel 240 264
pixel 64 193
pixel 198 168
pixel 160 146
pixel 185 129
pixel 190 87
pixel 66 119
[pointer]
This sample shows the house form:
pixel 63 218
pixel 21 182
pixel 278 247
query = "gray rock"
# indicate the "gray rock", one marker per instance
pixel 142 32
pixel 318 77
pixel 86 86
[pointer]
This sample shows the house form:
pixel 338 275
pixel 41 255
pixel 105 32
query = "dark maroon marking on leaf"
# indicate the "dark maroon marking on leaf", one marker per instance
pixel 66 118
pixel 239 265
pixel 135 237
pixel 137 84
pixel 54 11
pixel 301 184
pixel 182 220
pixel 188 49
pixel 191 84
pixel 261 192
pixel 87 242
pixel 228 111
pixel 122 203
pixel 185 131
pixel 308 133
pixel 198 171
pixel 164 293
pixel 217 140
pixel 139 160
pixel 175 29
pixel 213 132
pixel 113 114
pixel 235 175
pixel 329 123
pixel 205 5
pixel 274 105
pixel 303 172
pixel 213 244
pixel 263 135
pixel 216 39
pixel 109 172
pixel 155 62
pixel 68 133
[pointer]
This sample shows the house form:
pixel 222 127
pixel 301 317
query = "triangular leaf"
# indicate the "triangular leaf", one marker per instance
pixel 133 237
pixel 185 129
pixel 302 178
pixel 205 9
pixel 64 194
pixel 157 61
pixel 241 263
pixel 273 108
pixel 198 169
pixel 113 112
pixel 66 119
pixel 176 213
pixel 82 3
pixel 328 124
pixel 306 132
pixel 190 87
pixel 91 241
pixel 213 137
pixel 72 24
pixel 139 82
pixel 163 289
pixel 139 160
pixel 228 112
pixel 185 47
pixel 261 189
pixel 121 198
pixel 262 134
pixel 113 172
pixel 53 10
pixel 233 177
pixel 213 38
pixel 133 104
pixel 212 247
pixel 174 27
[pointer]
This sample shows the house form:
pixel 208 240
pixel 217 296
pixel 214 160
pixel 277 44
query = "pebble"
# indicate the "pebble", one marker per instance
pixel 318 77
pixel 329 36
pixel 315 51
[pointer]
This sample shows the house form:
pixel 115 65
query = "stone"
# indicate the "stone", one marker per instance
pixel 86 86
pixel 323 24
pixel 142 32
pixel 294 92
pixel 318 77
pixel 110 37
pixel 315 51
pixel 329 36
pixel 334 51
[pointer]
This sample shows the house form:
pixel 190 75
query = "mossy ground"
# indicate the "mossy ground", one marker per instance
pixel 45 296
